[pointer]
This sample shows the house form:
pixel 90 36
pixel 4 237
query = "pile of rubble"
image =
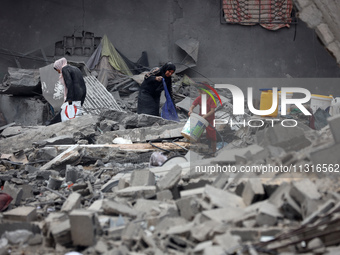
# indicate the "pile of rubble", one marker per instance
pixel 72 190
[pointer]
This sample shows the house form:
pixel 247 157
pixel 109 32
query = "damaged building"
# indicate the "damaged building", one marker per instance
pixel 113 181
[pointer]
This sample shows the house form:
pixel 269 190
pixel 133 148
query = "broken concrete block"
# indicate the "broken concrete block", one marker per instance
pixel 57 140
pixel 214 249
pixel 309 206
pixel 228 241
pixel 142 178
pixel 192 192
pixel 69 156
pixel 45 174
pixel 164 195
pixel 328 156
pixel 223 214
pixel 61 232
pixel 320 211
pixel 304 189
pixel 188 207
pixel 23 213
pixel 282 200
pixel 18 236
pixel 72 202
pixel 170 179
pixel 204 231
pixel 268 215
pixel 83 227
pixel 46 153
pixel 111 207
pixel 27 191
pixel 253 191
pixel 289 139
pixel 138 191
pixel 221 180
pixel 123 183
pixel 35 240
pixel 14 192
pixel 221 198
pixel 132 234
pixel 144 205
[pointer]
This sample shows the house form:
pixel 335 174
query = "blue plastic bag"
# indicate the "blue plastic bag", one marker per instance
pixel 168 110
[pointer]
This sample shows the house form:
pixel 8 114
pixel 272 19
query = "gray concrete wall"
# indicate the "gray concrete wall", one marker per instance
pixel 226 51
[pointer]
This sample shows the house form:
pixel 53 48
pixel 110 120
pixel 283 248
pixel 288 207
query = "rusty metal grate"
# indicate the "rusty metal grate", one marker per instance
pixel 271 14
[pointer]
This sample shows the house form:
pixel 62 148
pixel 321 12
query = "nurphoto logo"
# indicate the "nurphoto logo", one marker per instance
pixel 238 104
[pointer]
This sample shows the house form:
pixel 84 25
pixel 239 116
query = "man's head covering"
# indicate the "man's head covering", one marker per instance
pixel 60 63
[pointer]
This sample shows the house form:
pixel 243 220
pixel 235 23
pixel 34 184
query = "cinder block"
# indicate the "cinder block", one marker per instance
pixel 72 202
pixel 83 227
pixel 142 178
pixel 23 213
pixel 334 124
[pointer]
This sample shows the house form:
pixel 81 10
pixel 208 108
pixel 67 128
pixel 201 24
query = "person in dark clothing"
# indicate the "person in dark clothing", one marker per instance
pixel 74 86
pixel 72 79
pixel 151 88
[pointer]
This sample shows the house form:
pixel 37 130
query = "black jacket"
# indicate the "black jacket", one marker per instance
pixel 74 81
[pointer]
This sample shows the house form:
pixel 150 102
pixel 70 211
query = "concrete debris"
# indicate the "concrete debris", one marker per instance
pixel 123 183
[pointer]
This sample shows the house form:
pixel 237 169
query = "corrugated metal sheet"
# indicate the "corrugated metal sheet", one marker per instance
pixel 98 99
